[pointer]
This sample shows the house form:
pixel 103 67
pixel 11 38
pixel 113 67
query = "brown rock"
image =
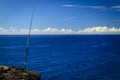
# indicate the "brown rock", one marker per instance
pixel 4 67
pixel 13 73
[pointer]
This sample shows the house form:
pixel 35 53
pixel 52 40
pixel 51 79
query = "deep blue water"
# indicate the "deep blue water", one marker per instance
pixel 65 57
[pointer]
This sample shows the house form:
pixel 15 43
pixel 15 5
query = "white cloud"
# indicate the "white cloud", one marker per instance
pixel 100 29
pixel 35 30
pixel 79 6
pixel 57 31
pixel 50 30
pixel 23 31
pixel 12 29
pixel 66 30
pixel 2 29
pixel 8 31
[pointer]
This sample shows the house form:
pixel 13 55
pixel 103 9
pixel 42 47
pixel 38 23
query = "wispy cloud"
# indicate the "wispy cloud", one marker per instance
pixel 115 8
pixel 118 10
pixel 70 5
pixel 91 7
pixel 100 8
pixel 68 18
pixel 51 30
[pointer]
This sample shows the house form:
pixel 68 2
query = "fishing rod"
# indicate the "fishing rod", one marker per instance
pixel 28 41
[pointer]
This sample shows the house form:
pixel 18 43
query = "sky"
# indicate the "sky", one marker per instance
pixel 60 16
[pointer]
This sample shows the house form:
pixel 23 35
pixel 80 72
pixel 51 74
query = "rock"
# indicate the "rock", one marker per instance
pixel 4 67
pixel 13 73
pixel 34 74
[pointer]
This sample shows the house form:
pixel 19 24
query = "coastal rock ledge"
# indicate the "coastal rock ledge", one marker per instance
pixel 13 73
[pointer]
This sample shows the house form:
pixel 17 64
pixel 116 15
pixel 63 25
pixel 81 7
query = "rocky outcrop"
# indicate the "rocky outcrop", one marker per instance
pixel 13 73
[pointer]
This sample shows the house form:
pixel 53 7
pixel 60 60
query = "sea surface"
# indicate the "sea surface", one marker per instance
pixel 65 57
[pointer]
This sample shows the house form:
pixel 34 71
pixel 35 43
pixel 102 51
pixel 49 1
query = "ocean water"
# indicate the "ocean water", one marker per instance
pixel 65 57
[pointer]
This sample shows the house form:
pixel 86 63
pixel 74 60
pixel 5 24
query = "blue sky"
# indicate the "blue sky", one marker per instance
pixel 60 14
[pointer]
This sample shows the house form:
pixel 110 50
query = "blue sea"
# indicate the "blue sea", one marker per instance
pixel 65 57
